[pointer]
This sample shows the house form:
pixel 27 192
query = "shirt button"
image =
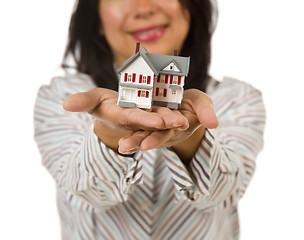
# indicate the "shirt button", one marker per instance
pixel 144 207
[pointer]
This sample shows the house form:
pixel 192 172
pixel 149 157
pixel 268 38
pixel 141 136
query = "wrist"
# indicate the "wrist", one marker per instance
pixel 187 148
pixel 109 135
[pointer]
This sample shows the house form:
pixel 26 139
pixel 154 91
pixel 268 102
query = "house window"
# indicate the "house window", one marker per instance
pixel 143 94
pixel 161 92
pixel 173 91
pixel 164 79
pixel 174 81
pixel 144 79
pixel 129 78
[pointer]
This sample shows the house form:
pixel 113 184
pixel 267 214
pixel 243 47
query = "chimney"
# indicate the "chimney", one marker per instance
pixel 137 47
pixel 175 52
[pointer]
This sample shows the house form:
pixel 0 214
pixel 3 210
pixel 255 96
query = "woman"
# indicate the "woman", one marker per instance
pixel 126 173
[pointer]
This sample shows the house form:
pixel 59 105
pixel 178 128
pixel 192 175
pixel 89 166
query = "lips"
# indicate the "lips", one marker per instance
pixel 149 34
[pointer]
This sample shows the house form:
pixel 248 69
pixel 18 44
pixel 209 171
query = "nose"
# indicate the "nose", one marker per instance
pixel 144 8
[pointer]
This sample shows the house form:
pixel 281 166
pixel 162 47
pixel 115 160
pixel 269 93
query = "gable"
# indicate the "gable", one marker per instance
pixel 162 64
pixel 172 66
pixel 138 65
pixel 142 54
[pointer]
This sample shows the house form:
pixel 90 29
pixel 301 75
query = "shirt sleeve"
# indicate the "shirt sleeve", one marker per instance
pixel 89 173
pixel 223 166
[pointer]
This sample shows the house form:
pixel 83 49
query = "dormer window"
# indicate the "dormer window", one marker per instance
pixel 172 67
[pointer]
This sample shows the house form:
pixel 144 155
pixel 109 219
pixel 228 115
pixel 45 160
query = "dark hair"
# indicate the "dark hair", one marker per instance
pixel 93 56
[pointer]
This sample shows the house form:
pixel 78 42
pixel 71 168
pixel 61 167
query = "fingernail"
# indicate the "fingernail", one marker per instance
pixel 130 151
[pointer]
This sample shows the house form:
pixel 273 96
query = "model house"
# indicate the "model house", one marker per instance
pixel 151 79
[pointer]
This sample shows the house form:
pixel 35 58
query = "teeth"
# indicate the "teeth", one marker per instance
pixel 149 31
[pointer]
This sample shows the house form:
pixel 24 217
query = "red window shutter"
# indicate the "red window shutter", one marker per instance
pixel 126 77
pixel 147 94
pixel 140 78
pixel 139 92
pixel 133 77
pixel 179 80
pixel 166 79
pixel 165 92
pixel 149 80
pixel 171 79
pixel 156 91
pixel 158 78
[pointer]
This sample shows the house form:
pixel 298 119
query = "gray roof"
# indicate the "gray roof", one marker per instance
pixel 158 62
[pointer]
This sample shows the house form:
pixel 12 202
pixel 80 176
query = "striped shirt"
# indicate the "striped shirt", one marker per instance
pixel 152 195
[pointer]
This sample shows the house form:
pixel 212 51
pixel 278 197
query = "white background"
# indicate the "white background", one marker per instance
pixel 258 41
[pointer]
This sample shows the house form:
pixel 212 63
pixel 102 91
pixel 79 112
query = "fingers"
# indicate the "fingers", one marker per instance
pixel 131 144
pixel 172 118
pixel 87 101
pixel 146 140
pixel 157 139
pixel 102 104
pixel 129 118
pixel 203 107
pixel 158 118
pixel 135 118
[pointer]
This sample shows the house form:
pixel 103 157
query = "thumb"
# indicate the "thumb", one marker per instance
pixel 207 117
pixel 202 104
pixel 86 101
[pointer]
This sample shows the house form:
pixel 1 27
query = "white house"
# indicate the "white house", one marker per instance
pixel 152 79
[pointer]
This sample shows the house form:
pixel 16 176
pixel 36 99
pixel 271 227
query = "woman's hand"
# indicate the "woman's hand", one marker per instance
pixel 197 108
pixel 114 122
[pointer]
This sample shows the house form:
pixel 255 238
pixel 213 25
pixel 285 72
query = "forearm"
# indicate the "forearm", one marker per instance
pixel 88 171
pixel 98 177
pixel 224 163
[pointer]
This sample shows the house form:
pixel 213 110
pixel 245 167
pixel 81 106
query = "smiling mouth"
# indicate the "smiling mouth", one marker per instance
pixel 149 34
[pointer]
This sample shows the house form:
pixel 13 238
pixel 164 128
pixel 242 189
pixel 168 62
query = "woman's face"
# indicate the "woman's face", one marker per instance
pixel 161 26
